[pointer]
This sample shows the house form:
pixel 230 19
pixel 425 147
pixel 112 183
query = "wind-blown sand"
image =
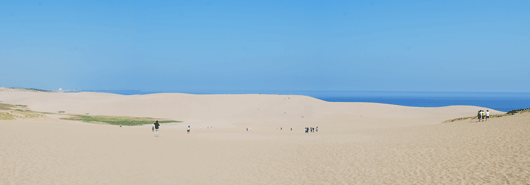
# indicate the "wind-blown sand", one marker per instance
pixel 388 145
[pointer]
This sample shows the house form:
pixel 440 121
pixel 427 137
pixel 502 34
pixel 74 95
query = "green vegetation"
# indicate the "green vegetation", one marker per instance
pixel 12 112
pixel 118 120
pixel 514 112
pixel 27 114
pixel 6 116
pixel 4 106
pixel 459 119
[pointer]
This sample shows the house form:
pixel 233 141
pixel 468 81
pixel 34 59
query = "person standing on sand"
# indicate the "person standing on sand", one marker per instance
pixel 487 114
pixel 156 128
pixel 483 115
pixel 479 116
pixel 188 129
pixel 316 129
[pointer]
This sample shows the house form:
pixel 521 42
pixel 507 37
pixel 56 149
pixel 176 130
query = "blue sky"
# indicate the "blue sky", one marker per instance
pixel 209 46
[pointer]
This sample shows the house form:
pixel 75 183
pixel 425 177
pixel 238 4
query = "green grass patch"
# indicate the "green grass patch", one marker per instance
pixel 21 105
pixel 6 116
pixel 514 112
pixel 118 120
pixel 4 106
pixel 459 119
pixel 27 114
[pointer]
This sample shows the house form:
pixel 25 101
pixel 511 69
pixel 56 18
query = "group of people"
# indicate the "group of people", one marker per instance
pixel 155 128
pixel 483 116
pixel 311 129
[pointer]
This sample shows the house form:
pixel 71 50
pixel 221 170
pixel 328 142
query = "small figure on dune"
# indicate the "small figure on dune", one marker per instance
pixel 291 129
pixel 316 129
pixel 188 129
pixel 487 114
pixel 153 128
pixel 156 128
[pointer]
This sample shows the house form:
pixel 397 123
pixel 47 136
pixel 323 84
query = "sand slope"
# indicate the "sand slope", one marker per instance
pixel 347 150
pixel 240 110
pixel 49 151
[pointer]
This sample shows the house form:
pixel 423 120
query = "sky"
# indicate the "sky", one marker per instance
pixel 238 46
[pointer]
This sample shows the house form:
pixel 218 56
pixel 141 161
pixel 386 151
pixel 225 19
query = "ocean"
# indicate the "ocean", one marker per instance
pixel 494 100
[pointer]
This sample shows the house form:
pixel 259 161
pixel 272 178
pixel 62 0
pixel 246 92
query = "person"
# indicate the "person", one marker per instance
pixel 153 128
pixel 156 128
pixel 291 128
pixel 479 116
pixel 316 129
pixel 483 115
pixel 487 114
pixel 306 129
pixel 188 129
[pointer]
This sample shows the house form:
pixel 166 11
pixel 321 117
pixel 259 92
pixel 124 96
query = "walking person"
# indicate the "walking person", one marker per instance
pixel 188 129
pixel 487 114
pixel 156 128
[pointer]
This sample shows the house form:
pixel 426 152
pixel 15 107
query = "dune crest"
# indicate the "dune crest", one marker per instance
pixel 238 110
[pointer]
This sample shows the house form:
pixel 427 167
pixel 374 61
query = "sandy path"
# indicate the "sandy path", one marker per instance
pixel 50 151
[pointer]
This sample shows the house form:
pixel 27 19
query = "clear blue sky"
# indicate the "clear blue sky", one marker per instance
pixel 480 46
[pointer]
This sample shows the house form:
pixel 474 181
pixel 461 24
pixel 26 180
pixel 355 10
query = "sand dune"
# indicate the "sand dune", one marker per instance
pixel 240 110
pixel 387 145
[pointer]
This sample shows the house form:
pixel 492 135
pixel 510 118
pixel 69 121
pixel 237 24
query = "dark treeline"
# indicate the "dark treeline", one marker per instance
pixel 518 110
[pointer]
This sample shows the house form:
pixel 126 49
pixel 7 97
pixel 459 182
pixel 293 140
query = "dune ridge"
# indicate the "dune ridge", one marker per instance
pixel 388 145
pixel 232 110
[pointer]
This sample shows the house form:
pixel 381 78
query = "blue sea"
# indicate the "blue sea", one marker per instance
pixel 494 100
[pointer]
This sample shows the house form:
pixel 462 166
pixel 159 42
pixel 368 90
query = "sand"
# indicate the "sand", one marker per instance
pixel 388 145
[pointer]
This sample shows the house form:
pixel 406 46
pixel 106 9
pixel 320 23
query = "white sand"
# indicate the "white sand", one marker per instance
pixel 387 145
